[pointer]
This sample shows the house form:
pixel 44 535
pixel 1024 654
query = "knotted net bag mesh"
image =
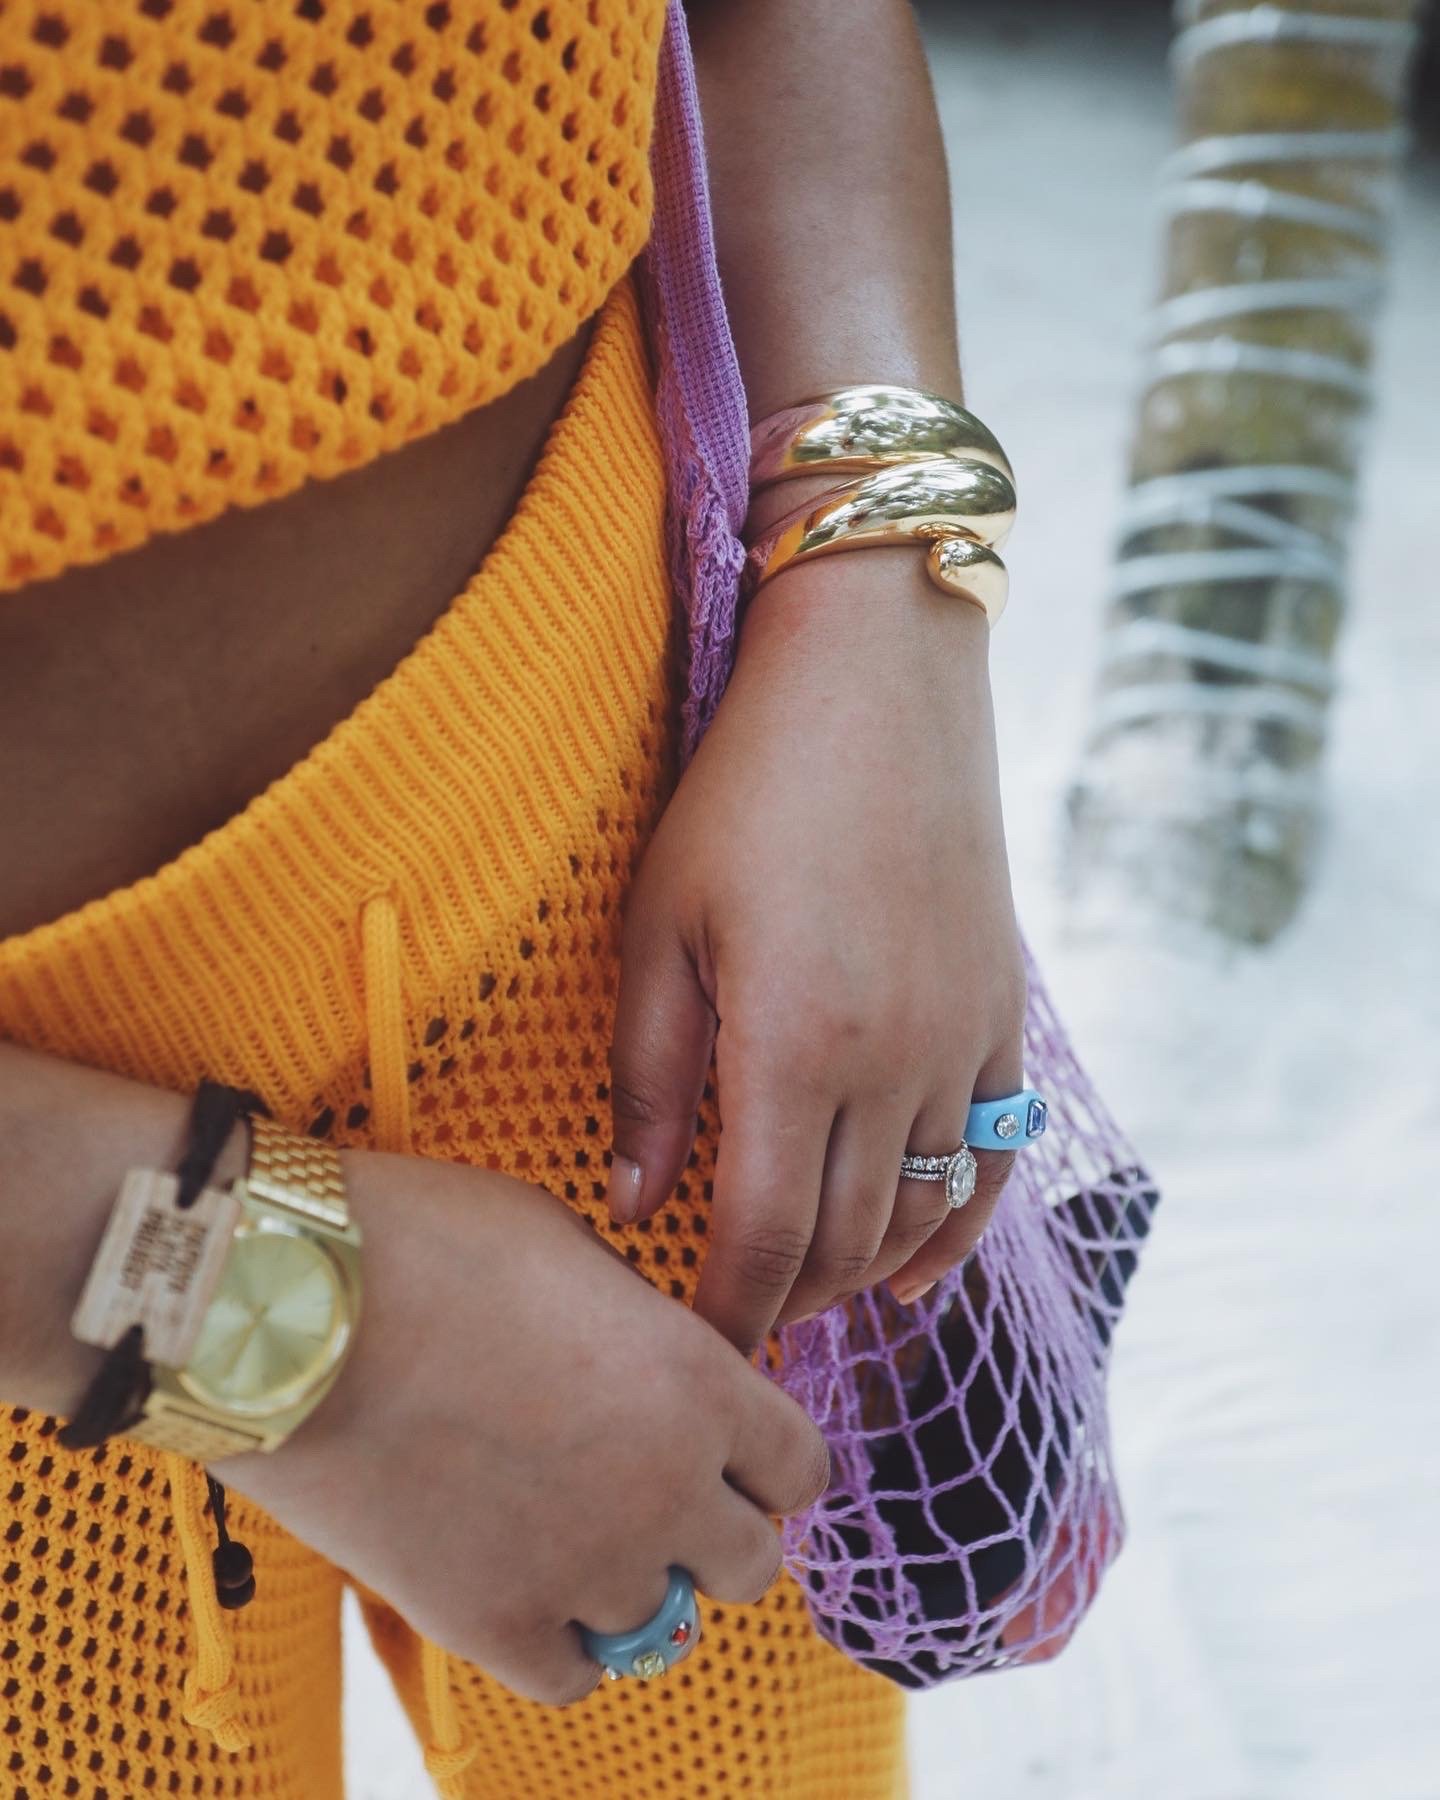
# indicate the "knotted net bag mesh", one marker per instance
pixel 973 1506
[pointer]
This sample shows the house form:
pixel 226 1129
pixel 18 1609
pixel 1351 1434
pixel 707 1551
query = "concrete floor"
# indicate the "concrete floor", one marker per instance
pixel 1263 1636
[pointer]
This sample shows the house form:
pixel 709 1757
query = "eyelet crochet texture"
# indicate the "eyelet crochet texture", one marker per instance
pixel 243 245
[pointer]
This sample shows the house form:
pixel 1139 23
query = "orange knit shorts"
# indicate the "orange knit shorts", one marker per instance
pixel 410 940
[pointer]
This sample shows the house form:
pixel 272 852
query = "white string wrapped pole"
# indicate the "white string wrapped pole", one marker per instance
pixel 1199 787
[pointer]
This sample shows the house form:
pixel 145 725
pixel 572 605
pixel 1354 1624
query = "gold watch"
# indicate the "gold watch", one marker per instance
pixel 283 1315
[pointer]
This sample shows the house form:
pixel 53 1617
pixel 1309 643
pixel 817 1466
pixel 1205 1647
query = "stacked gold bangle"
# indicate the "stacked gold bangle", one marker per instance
pixel 932 474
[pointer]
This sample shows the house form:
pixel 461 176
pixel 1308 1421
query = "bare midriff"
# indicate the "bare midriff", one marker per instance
pixel 145 700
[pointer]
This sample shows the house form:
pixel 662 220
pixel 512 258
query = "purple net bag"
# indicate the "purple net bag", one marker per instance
pixel 973 1508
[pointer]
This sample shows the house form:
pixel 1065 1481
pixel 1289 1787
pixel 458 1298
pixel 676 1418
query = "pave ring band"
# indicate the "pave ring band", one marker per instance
pixel 957 1171
pixel 657 1645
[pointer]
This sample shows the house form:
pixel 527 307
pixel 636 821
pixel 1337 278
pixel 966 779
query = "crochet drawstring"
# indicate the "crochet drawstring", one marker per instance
pixel 448 1753
pixel 211 1691
pixel 222 1580
pixel 385 1023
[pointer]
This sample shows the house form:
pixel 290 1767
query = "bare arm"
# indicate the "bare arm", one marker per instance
pixel 832 208
pixel 826 903
pixel 67 1136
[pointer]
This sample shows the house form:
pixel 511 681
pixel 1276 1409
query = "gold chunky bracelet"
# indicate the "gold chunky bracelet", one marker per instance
pixel 958 510
pixel 939 478
pixel 867 426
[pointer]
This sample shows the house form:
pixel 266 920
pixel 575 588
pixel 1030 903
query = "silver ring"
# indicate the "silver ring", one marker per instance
pixel 957 1171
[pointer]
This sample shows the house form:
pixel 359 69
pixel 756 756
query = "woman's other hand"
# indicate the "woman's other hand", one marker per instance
pixel 826 904
pixel 526 1436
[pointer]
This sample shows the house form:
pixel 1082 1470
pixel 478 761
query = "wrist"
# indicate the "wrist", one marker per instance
pixel 69 1136
pixel 361 1382
pixel 873 467
pixel 871 609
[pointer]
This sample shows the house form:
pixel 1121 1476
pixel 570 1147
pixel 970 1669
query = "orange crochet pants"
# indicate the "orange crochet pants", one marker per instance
pixel 410 940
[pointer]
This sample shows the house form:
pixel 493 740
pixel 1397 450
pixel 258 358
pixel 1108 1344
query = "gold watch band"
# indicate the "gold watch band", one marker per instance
pixel 167 1425
pixel 296 1172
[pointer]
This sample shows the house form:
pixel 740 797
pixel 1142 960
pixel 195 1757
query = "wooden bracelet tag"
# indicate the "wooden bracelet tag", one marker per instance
pixel 156 1266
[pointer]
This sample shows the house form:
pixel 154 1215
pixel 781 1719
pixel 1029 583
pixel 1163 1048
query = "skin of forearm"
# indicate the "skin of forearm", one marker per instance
pixel 832 222
pixel 67 1136
pixel 831 200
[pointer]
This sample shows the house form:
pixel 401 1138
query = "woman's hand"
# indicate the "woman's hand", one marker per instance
pixel 526 1435
pixel 826 904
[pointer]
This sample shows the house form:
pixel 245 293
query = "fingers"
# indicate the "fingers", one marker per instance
pixel 734 1557
pixel 959 1234
pixel 778 1459
pixel 962 1229
pixel 739 1559
pixel 543 1661
pixel 624 1597
pixel 857 1207
pixel 664 1029
pixel 767 1194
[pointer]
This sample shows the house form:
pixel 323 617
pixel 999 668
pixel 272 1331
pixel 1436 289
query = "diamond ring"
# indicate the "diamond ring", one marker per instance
pixel 957 1171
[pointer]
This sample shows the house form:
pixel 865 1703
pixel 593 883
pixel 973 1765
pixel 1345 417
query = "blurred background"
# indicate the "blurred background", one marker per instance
pixel 1219 707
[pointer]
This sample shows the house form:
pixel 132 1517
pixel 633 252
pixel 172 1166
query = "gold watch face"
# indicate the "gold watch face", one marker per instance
pixel 276 1327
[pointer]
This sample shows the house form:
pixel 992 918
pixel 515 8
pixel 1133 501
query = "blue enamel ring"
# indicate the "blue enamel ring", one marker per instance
pixel 657 1645
pixel 1008 1124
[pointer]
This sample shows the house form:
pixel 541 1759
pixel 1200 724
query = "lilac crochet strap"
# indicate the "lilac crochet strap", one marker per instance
pixel 973 1506
pixel 699 396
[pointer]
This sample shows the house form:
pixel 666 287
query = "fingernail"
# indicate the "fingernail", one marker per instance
pixel 909 1295
pixel 623 1192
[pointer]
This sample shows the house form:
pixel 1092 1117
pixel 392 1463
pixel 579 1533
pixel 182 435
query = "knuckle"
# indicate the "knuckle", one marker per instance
pixel 633 1100
pixel 810 1473
pixel 842 1025
pixel 836 1271
pixel 1008 989
pixel 817 1474
pixel 764 1573
pixel 771 1256
pixel 909 1233
pixel 869 1211
pixel 565 1688
pixel 815 1038
pixel 579 1687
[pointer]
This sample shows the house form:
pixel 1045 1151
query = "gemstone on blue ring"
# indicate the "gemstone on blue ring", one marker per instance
pixel 1008 1122
pixel 657 1645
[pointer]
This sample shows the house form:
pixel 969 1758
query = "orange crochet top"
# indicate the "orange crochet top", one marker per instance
pixel 245 244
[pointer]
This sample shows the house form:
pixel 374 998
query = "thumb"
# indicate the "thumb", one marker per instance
pixel 664 1031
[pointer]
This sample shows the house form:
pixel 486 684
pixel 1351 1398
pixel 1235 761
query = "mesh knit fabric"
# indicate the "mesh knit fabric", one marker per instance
pixel 245 244
pixel 96 1638
pixel 974 1506
pixel 410 941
